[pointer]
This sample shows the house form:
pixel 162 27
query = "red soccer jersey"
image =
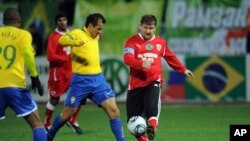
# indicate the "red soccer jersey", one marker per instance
pixel 136 49
pixel 59 58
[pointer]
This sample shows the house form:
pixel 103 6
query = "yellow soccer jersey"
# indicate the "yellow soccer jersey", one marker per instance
pixel 13 42
pixel 85 59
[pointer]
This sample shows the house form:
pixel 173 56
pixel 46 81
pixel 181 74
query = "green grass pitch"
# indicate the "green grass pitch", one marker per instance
pixel 177 123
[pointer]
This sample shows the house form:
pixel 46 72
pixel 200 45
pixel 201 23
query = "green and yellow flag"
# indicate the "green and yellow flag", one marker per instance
pixel 216 79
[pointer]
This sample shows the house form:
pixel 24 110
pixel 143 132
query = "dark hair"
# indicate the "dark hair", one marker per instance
pixel 94 18
pixel 60 15
pixel 148 19
pixel 11 16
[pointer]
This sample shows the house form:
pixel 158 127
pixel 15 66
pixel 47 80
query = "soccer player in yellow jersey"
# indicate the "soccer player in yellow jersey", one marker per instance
pixel 60 72
pixel 16 51
pixel 87 80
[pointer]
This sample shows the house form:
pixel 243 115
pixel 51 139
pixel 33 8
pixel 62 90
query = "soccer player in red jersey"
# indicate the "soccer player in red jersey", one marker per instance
pixel 143 53
pixel 60 72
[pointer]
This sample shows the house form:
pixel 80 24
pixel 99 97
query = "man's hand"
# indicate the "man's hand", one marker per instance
pixel 188 73
pixel 35 83
pixel 146 63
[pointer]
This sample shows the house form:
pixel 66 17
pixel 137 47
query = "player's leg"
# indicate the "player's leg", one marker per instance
pixel 104 96
pixel 3 104
pixel 35 123
pixel 134 103
pixel 152 104
pixel 72 123
pixel 23 104
pixel 59 88
pixel 55 90
pixel 135 107
pixel 50 107
pixel 152 107
pixel 59 121
pixel 73 120
pixel 74 97
pixel 111 108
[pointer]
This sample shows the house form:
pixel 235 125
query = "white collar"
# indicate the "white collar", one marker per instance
pixel 60 32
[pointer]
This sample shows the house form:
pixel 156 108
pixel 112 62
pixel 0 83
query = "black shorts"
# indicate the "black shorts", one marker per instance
pixel 144 101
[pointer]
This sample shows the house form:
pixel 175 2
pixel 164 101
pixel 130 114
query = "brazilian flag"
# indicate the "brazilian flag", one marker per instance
pixel 216 78
pixel 41 12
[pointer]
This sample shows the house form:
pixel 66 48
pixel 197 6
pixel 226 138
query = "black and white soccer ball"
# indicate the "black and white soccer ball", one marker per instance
pixel 137 125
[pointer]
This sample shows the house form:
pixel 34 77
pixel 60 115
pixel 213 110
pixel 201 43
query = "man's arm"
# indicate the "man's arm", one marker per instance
pixel 174 62
pixel 28 54
pixel 69 40
pixel 52 51
pixel 29 59
pixel 130 60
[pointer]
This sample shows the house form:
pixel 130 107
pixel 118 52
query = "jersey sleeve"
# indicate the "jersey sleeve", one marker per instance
pixel 129 56
pixel 51 50
pixel 29 54
pixel 69 39
pixel 172 60
pixel 26 41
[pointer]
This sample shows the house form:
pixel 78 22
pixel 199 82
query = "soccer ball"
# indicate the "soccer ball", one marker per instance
pixel 137 125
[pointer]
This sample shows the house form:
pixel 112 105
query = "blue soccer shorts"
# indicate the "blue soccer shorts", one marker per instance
pixel 93 87
pixel 18 99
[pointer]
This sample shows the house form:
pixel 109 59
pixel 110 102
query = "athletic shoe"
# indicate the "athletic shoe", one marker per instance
pixel 151 133
pixel 76 128
pixel 142 138
pixel 153 122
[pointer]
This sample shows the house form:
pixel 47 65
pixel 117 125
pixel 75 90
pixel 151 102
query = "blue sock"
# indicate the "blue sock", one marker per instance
pixel 57 124
pixel 117 129
pixel 39 134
